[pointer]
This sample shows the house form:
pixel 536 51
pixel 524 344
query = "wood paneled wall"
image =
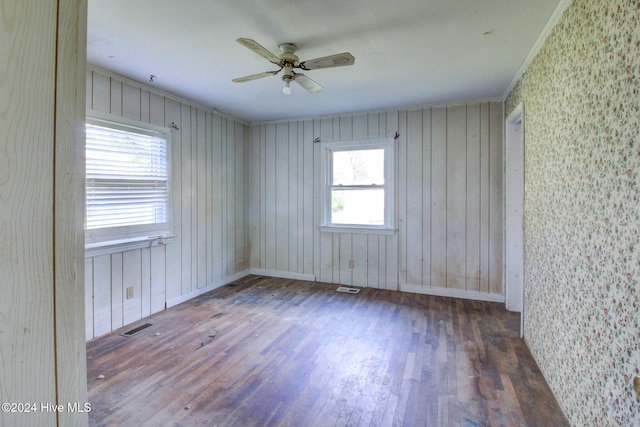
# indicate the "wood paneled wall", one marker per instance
pixel 208 157
pixel 42 350
pixel 449 202
pixel 247 199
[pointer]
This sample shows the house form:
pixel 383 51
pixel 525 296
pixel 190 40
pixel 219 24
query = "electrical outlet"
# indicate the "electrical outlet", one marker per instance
pixel 636 387
pixel 351 263
pixel 130 292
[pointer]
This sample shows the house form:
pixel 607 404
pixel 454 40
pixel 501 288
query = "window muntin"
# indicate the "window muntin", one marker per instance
pixel 358 191
pixel 127 182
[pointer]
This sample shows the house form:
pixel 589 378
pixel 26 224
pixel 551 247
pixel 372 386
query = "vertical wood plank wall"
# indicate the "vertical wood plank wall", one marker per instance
pixel 247 199
pixel 42 350
pixel 69 173
pixel 449 202
pixel 208 156
pixel 27 282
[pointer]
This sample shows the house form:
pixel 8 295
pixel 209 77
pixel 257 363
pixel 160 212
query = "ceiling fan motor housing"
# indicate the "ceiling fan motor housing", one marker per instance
pixel 288 60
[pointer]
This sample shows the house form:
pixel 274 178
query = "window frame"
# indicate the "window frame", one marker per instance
pixel 108 240
pixel 386 144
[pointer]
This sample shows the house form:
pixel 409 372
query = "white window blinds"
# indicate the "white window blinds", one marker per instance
pixel 127 182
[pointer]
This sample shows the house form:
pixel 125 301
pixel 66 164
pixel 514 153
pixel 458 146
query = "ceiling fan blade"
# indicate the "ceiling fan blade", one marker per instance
pixel 307 83
pixel 255 76
pixel 337 60
pixel 259 49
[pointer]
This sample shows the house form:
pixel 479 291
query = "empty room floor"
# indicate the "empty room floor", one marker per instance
pixel 278 352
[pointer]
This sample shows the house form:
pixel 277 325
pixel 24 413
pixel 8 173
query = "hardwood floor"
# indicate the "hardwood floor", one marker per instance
pixel 275 352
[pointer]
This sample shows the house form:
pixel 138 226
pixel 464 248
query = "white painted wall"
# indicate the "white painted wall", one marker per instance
pixel 42 350
pixel 247 199
pixel 449 202
pixel 208 155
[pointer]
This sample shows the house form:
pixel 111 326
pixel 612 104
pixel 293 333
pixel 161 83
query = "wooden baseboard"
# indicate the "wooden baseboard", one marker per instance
pixel 282 274
pixel 215 285
pixel 454 293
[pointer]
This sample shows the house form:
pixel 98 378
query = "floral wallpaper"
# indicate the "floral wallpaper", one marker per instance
pixel 582 210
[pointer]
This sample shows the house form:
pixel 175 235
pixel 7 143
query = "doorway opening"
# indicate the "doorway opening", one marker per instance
pixel 514 213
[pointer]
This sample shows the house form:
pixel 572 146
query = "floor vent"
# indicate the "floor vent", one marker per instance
pixel 348 290
pixel 136 330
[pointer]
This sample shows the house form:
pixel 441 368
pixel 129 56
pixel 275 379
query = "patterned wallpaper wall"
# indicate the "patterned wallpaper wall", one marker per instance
pixel 582 210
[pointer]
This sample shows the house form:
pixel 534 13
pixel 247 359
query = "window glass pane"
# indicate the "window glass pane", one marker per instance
pixel 361 207
pixel 127 182
pixel 358 167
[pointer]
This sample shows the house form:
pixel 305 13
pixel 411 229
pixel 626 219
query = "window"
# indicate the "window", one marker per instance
pixel 127 183
pixel 359 182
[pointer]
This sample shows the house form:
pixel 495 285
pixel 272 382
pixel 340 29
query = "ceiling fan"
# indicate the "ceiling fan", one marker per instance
pixel 287 61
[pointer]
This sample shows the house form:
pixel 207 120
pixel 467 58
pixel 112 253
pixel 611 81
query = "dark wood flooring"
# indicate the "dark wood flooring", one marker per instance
pixel 275 352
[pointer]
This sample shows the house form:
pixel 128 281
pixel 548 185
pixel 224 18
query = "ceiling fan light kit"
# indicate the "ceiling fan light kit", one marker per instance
pixel 286 89
pixel 288 60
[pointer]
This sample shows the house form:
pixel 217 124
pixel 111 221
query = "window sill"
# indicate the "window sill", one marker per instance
pixel 114 246
pixel 357 230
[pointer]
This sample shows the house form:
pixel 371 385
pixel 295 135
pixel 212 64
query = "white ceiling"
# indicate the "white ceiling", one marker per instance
pixel 408 52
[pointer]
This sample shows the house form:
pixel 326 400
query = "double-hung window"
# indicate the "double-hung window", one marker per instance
pixel 358 191
pixel 127 183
